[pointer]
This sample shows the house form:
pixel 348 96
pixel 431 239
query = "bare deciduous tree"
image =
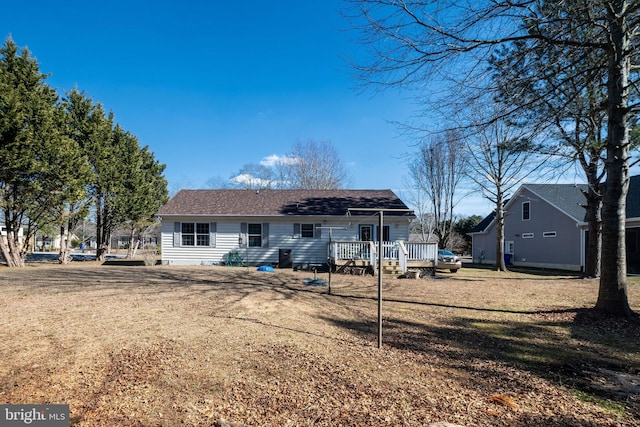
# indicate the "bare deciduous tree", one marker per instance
pixel 412 42
pixel 436 172
pixel 562 91
pixel 254 177
pixel 499 159
pixel 310 165
pixel 316 165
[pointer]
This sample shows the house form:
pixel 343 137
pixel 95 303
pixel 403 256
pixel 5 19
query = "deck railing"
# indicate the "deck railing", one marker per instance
pixel 350 250
pixel 403 252
pixel 420 251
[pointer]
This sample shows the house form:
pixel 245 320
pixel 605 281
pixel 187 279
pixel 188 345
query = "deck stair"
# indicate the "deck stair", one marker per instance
pixel 391 268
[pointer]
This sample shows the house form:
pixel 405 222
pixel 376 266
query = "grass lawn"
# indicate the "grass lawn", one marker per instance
pixel 189 346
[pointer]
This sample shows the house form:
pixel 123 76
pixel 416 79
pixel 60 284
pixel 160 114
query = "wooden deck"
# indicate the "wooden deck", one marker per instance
pixel 357 257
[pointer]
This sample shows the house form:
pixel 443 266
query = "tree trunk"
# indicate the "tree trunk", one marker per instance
pixel 10 244
pixel 6 253
pixel 612 295
pixel 16 257
pixel 64 256
pixel 131 249
pixel 11 250
pixel 101 216
pixel 500 264
pixel 135 248
pixel 594 239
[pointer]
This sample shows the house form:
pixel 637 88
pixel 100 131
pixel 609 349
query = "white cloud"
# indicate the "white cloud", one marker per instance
pixel 274 159
pixel 248 179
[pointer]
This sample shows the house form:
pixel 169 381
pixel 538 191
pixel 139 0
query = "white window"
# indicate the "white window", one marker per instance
pixel 549 234
pixel 188 234
pixel 202 234
pixel 526 211
pixel 254 234
pixel 195 234
pixel 527 235
pixel 306 230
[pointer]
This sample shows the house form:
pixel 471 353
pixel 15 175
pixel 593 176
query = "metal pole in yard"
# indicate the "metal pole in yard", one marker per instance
pixel 329 263
pixel 330 241
pixel 380 256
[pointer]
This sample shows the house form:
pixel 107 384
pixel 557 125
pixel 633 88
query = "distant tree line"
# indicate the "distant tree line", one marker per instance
pixel 64 157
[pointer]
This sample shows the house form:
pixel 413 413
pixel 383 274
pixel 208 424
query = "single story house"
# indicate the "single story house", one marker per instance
pixel 545 227
pixel 278 227
pixel 3 232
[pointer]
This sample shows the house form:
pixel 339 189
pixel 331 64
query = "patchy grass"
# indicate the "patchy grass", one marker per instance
pixel 141 345
pixel 607 405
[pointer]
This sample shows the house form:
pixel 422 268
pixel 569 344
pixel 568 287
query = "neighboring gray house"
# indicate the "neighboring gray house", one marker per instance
pixel 545 227
pixel 278 227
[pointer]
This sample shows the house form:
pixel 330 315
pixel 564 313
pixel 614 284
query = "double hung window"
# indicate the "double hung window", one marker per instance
pixel 195 234
pixel 254 234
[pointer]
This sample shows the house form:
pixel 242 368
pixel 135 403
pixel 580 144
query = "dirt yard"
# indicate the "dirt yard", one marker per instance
pixel 168 346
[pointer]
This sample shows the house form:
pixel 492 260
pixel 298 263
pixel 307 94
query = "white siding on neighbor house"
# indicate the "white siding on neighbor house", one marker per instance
pixel 304 250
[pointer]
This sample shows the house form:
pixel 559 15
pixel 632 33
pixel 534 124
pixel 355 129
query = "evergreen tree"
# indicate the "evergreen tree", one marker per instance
pixel 92 130
pixel 142 192
pixel 34 152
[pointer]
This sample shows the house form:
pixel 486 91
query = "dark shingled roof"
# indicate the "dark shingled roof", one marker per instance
pixel 569 199
pixel 566 197
pixel 482 225
pixel 278 202
pixel 633 197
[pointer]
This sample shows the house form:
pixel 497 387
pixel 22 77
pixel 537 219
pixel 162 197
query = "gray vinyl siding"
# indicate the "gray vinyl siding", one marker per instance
pixel 280 235
pixel 563 251
pixel 483 248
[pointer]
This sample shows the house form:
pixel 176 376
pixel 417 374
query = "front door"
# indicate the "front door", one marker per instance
pixel 366 233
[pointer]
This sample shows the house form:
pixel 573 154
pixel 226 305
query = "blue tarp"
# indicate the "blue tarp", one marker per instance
pixel 266 268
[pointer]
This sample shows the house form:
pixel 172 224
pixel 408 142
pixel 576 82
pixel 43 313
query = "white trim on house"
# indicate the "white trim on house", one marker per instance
pixel 279 233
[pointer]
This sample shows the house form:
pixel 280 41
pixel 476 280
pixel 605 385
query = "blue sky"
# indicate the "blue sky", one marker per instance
pixel 213 85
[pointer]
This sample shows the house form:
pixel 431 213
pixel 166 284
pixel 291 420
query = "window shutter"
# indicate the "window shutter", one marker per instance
pixel 177 228
pixel 296 230
pixel 265 235
pixel 243 234
pixel 317 232
pixel 213 228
